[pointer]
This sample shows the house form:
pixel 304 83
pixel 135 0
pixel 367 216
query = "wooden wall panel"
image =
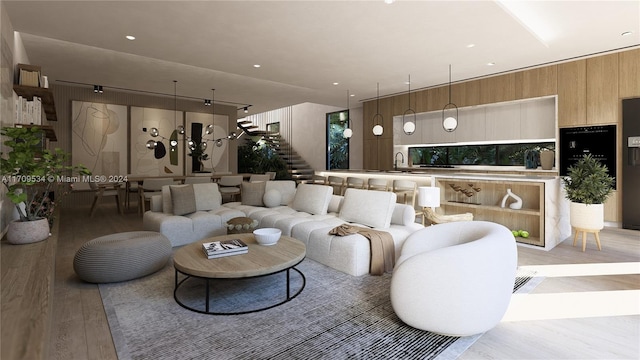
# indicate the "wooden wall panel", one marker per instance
pixel 602 90
pixel 498 89
pixel 466 94
pixel 422 101
pixel 572 93
pixel 537 82
pixel 438 98
pixel 629 80
pixel 368 111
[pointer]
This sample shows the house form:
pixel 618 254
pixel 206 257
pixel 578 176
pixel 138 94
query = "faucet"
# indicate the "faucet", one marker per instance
pixel 395 160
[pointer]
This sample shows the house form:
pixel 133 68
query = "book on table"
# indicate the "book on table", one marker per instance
pixel 221 248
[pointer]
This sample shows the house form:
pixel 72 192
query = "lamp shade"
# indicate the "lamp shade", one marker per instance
pixel 377 130
pixel 347 133
pixel 429 196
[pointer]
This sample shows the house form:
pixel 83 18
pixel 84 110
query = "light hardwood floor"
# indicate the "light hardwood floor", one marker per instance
pixel 80 329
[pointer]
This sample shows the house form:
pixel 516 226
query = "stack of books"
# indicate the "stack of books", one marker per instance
pixel 222 248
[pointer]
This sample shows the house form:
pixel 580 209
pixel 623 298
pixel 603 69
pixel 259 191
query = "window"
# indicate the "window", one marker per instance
pixel 493 154
pixel 337 145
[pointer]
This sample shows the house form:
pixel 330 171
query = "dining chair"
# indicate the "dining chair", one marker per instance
pixel 405 188
pixel 378 184
pixel 259 177
pixel 103 190
pixel 230 186
pixel 151 187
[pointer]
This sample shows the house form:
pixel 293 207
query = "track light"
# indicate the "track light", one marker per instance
pixel 207 102
pixel 246 109
pixel 97 89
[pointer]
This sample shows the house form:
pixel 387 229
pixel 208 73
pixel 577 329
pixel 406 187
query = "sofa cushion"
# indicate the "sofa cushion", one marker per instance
pixel 286 188
pixel 207 197
pixel 371 208
pixel 252 193
pixel 312 199
pixel 272 198
pixel 183 199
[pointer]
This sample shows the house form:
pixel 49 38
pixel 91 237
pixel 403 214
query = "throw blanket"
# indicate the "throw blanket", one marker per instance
pixel 383 252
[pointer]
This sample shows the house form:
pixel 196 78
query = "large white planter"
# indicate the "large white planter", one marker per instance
pixel 587 217
pixel 26 232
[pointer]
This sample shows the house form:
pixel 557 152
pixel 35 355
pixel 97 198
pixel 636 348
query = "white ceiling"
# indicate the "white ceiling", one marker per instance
pixel 303 47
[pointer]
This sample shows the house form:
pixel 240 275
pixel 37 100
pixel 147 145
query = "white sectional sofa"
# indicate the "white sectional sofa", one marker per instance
pixel 185 218
pixel 309 212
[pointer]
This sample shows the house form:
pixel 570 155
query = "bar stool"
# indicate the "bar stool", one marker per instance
pixel 404 188
pixel 319 180
pixel 354 182
pixel 377 184
pixel 336 182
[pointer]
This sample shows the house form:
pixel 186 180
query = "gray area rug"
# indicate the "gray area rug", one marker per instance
pixel 337 316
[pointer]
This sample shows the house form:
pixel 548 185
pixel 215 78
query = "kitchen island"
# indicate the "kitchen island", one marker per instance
pixel 544 213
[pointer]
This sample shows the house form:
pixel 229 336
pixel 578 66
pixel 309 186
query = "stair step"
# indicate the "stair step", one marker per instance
pixel 244 122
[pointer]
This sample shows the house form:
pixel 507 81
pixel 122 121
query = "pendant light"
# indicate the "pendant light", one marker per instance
pixel 409 116
pixel 449 123
pixel 347 133
pixel 377 118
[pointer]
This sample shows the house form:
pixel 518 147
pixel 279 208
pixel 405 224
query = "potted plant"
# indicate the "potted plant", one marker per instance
pixel 587 186
pixel 30 176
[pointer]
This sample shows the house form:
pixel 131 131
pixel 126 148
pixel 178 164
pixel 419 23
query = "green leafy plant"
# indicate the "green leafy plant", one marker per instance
pixel 588 181
pixel 30 174
pixel 258 158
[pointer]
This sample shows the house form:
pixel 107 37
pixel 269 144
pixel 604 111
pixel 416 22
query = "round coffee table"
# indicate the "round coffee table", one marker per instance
pixel 191 262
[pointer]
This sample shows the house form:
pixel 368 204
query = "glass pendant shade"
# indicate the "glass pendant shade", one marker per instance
pixel 180 129
pixel 209 129
pixel 409 127
pixel 219 142
pixel 174 143
pixel 347 133
pixel 154 132
pixel 378 130
pixel 191 144
pixel 151 144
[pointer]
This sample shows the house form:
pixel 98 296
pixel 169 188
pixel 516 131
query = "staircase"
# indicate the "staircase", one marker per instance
pixel 298 168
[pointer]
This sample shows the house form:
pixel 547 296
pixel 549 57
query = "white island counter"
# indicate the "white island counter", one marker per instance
pixel 544 213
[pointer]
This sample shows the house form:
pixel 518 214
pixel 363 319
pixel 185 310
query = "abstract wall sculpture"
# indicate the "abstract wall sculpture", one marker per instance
pixel 217 155
pixel 154 162
pixel 99 137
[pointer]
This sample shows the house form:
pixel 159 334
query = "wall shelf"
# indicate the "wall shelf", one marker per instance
pixel 45 94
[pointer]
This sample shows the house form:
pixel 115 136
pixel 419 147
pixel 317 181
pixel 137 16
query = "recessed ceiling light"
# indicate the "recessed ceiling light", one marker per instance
pixel 130 37
pixel 335 83
pixel 256 66
pixel 352 95
pixel 471 45
pixel 389 1
pixel 626 33
pixel 491 64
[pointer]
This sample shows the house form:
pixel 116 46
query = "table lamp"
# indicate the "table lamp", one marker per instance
pixel 428 199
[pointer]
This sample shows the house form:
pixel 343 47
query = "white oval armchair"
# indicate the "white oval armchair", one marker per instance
pixel 456 278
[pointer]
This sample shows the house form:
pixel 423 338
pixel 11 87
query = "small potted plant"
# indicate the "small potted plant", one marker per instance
pixel 587 186
pixel 30 175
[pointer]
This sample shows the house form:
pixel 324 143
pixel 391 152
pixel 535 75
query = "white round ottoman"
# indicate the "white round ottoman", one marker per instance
pixel 122 256
pixel 456 278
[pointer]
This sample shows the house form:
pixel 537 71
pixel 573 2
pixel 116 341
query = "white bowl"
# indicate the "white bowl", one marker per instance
pixel 267 236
